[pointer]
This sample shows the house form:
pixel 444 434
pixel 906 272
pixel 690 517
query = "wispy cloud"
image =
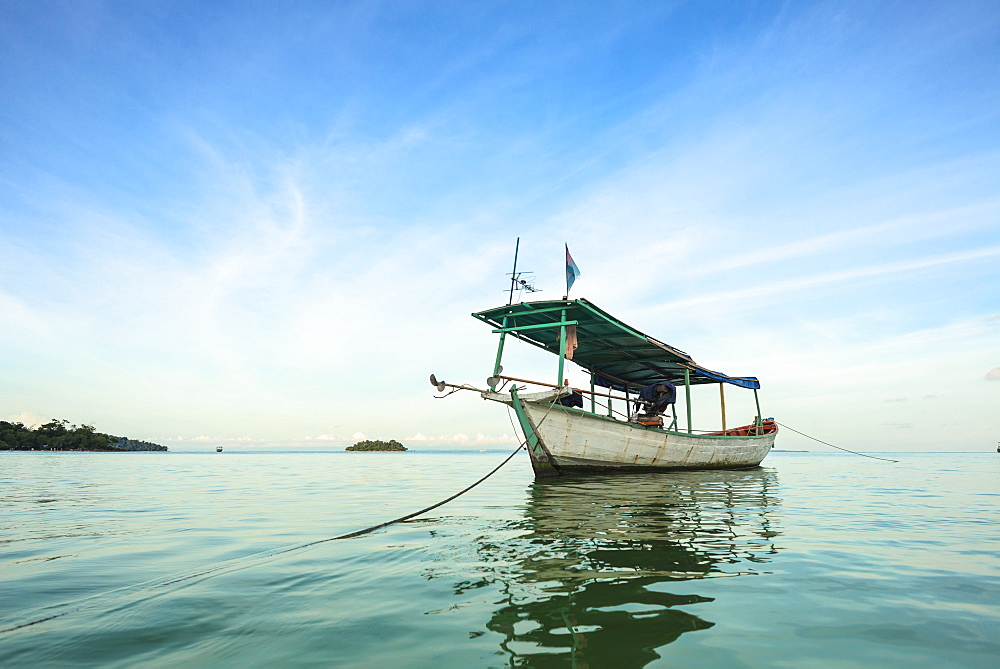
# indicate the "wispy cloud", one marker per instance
pixel 922 226
pixel 479 439
pixel 29 419
pixel 851 276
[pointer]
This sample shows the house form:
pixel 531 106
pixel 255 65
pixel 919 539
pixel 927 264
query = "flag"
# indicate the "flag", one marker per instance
pixel 572 271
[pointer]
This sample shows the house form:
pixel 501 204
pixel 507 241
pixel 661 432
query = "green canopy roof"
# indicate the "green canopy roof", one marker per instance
pixel 619 355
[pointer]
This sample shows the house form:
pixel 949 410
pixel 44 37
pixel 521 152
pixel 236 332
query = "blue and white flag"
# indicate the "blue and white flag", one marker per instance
pixel 572 271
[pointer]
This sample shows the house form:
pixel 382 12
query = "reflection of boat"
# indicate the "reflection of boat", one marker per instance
pixel 638 374
pixel 589 578
pixel 218 449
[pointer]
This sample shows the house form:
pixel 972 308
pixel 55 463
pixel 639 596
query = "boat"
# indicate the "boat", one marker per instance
pixel 218 449
pixel 619 421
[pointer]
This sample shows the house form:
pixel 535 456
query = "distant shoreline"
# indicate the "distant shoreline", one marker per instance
pixel 83 450
pixel 59 435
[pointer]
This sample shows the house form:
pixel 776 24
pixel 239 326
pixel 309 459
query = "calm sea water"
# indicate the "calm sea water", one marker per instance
pixel 826 560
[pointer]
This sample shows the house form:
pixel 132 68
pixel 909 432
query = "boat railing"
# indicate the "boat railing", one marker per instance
pixel 758 427
pixel 553 385
pixel 608 407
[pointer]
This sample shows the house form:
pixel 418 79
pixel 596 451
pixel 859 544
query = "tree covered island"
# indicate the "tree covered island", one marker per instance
pixel 375 445
pixel 59 435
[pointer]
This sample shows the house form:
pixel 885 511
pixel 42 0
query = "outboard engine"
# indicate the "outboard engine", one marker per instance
pixel 653 401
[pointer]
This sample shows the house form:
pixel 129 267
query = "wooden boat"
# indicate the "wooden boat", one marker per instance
pixel 620 430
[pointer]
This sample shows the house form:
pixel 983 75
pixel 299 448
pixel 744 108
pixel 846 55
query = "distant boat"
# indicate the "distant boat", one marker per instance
pixel 218 449
pixel 641 377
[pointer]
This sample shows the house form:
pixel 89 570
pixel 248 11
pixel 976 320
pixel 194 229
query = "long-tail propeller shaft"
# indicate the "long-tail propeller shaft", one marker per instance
pixel 441 385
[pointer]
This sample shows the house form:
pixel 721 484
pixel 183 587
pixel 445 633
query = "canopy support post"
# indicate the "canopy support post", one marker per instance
pixel 562 345
pixel 722 400
pixel 503 335
pixel 687 395
pixel 757 422
pixel 593 398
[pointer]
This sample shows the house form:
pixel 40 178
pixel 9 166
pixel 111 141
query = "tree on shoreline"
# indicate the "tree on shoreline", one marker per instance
pixel 376 445
pixel 59 435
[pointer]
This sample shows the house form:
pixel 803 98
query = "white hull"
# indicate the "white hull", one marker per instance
pixel 573 440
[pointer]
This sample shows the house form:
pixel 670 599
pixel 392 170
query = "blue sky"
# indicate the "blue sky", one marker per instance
pixel 269 222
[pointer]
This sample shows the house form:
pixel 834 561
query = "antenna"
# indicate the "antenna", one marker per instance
pixel 513 273
pixel 516 281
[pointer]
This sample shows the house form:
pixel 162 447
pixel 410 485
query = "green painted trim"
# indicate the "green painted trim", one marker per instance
pixel 562 345
pixel 541 461
pixel 503 335
pixel 616 323
pixel 540 326
pixel 526 427
pixel 525 309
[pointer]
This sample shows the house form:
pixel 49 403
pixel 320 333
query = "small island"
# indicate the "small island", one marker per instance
pixel 375 445
pixel 59 435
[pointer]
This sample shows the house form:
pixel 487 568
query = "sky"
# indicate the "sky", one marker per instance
pixel 267 223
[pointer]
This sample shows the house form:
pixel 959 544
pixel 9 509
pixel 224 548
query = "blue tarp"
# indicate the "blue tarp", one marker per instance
pixel 750 382
pixel 648 393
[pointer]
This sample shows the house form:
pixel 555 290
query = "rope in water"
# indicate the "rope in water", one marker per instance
pixel 408 516
pixel 458 494
pixel 265 554
pixel 875 457
pixel 236 564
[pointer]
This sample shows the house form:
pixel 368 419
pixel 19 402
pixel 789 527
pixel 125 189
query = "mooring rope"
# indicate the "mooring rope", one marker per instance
pixel 263 555
pixel 408 516
pixel 875 457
